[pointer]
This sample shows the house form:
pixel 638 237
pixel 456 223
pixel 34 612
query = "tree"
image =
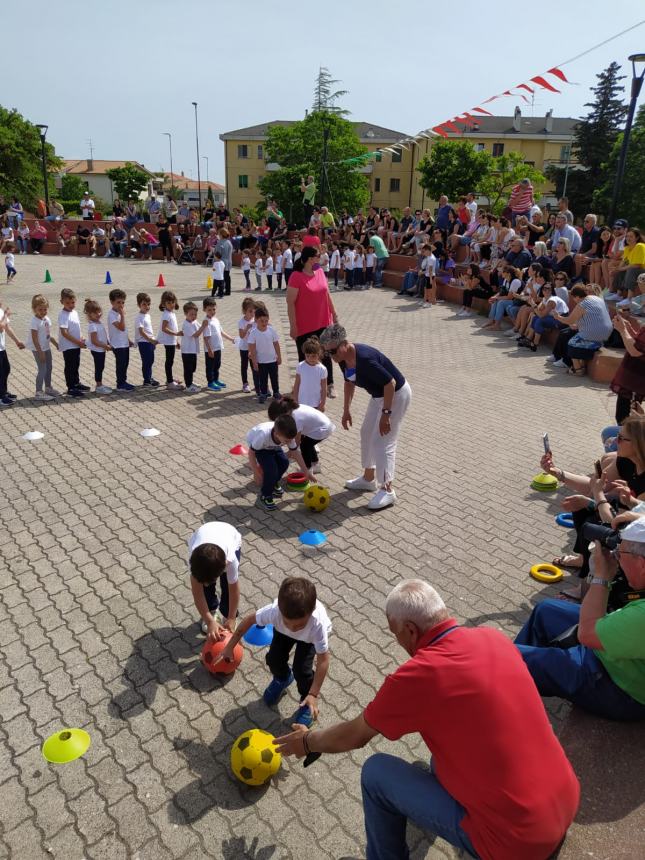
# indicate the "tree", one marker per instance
pixel 21 171
pixel 324 98
pixel 298 149
pixel 72 188
pixel 505 172
pixel 209 197
pixel 453 168
pixel 128 181
pixel 631 204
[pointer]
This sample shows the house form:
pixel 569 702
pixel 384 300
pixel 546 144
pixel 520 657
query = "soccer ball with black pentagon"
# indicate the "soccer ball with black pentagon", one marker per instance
pixel 316 498
pixel 254 759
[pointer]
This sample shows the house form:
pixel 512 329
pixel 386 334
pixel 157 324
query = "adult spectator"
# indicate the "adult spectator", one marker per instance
pixel 311 240
pixel 614 252
pixel 633 261
pixel 595 273
pixel 273 216
pixel 496 762
pixel 308 189
pixel 563 230
pixel 15 213
pixel 23 237
pixel 38 237
pixel 171 211
pixel 164 231
pixel 589 242
pixel 366 367
pixel 563 207
pixel 406 223
pixel 131 213
pixel 471 205
pixel 521 199
pixel 563 260
pixel 222 214
pixel 97 240
pixel 629 381
pixel 118 239
pixel 541 319
pixel 382 257
pixel 605 672
pixel 87 207
pixel 327 222
pixel 183 212
pixel 517 255
pixel 81 238
pixel 63 238
pixel 310 306
pixel 225 248
pixel 56 211
pixel 117 208
pixel 153 207
pixel 7 237
pixel 535 228
pixel 475 287
pixel 591 319
pixel 442 221
pixel 208 215
pixel 550 228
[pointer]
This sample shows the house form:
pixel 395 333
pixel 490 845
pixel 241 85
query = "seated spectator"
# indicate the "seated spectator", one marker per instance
pixel 82 237
pixel 396 238
pixel 536 229
pixel 613 253
pixel 542 256
pixel 118 239
pixel 171 211
pixel 564 230
pixel 531 295
pixel 591 318
pixel 131 214
pixel 517 256
pixel 7 235
pixel 63 238
pixel 522 229
pixel 327 223
pixel 117 209
pixel 481 245
pixel 502 300
pixel 38 237
pixel 97 240
pixel 561 284
pixel 463 212
pixel 134 242
pixel 595 272
pixel 635 301
pixel 549 230
pixel 563 259
pixel 281 231
pixel 15 213
pixel 56 211
pixel 183 212
pixel 475 287
pixel 629 381
pixel 589 244
pixel 542 319
pixel 23 237
pixel 632 263
pixel 153 207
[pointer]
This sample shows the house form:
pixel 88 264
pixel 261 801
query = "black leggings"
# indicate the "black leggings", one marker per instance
pixel 244 368
pixel 99 366
pixel 479 293
pixel 303 661
pixel 227 282
pixel 308 450
pixel 561 344
pixel 189 360
pixel 170 360
pixel 326 360
pixel 166 247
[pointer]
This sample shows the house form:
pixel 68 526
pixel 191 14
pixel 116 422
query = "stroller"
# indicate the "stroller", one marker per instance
pixel 187 256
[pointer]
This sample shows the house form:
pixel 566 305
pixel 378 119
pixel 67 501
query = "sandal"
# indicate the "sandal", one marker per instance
pixel 567 561
pixel 580 371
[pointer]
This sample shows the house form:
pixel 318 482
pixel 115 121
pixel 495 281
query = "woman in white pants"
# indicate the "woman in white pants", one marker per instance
pixel 367 368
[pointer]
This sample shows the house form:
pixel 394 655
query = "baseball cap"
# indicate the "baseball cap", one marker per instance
pixel 634 532
pixel 620 222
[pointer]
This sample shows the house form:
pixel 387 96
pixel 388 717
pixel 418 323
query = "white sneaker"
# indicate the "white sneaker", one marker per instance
pixel 93 255
pixel 511 333
pixel 382 499
pixel 559 363
pixel 103 389
pixel 175 386
pixel 193 389
pixel 315 468
pixel 331 392
pixel 425 305
pixel 360 484
pixel 41 395
pixel 550 358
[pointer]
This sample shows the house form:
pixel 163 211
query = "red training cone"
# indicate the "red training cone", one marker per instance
pixel 161 282
pixel 238 449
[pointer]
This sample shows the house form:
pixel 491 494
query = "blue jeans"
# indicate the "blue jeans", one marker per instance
pixel 210 593
pixel 378 271
pixel 498 309
pixel 575 674
pixel 410 283
pixel 274 464
pixel 395 791
pixel 147 352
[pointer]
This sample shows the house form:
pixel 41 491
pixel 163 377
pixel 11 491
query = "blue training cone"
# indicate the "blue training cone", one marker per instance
pixel 312 538
pixel 259 635
pixel 108 278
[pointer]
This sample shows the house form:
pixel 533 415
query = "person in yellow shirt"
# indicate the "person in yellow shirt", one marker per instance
pixel 633 262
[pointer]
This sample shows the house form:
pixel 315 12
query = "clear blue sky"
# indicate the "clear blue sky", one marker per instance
pixel 123 73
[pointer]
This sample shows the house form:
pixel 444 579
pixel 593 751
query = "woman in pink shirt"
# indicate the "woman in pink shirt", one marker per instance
pixel 310 305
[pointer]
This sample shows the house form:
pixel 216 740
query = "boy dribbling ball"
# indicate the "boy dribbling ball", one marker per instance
pixel 214 552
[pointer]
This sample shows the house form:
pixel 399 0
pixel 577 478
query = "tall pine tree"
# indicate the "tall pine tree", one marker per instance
pixel 324 98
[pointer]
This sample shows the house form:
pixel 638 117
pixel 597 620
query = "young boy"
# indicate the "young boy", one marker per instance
pixel 214 553
pixel 70 342
pixel 246 270
pixel 191 330
pixel 264 354
pixel 268 271
pixel 213 344
pixel 334 264
pixel 370 263
pixel 145 339
pixel 348 266
pixel 287 260
pixel 428 266
pixel 267 459
pixel 6 398
pixel 218 275
pixel 299 619
pixel 10 263
pixel 278 267
pixel 259 270
pixel 119 339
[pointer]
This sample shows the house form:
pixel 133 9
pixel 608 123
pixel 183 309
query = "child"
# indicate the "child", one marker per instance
pixel 324 261
pixel 244 326
pixel 428 267
pixel 287 260
pixel 191 330
pixel 370 263
pixel 334 263
pixel 348 266
pixel 10 263
pixel 310 386
pixel 99 343
pixel 213 334
pixel 246 269
pixel 264 354
pixel 267 459
pixel 313 427
pixel 359 262
pixel 278 267
pixel 218 275
pixel 168 335
pixel 268 271
pixel 70 343
pixel 145 339
pixel 118 339
pixel 259 269
pixel 214 553
pixel 6 398
pixel 299 619
pixel 39 341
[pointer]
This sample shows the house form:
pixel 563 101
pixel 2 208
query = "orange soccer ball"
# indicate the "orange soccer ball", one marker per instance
pixel 212 650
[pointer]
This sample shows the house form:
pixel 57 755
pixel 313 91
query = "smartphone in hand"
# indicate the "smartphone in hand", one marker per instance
pixel 545 442
pixel 598 468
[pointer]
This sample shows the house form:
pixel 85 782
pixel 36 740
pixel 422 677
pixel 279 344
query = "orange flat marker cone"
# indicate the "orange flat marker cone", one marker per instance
pixel 161 282
pixel 108 278
pixel 48 278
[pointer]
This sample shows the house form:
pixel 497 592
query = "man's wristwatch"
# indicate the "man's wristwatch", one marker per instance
pixel 598 580
pixel 386 411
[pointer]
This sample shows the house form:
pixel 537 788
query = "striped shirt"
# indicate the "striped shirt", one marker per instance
pixel 596 322
pixel 521 198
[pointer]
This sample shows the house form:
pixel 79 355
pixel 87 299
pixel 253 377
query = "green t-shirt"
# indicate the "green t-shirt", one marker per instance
pixel 309 193
pixel 622 634
pixel 327 220
pixel 379 247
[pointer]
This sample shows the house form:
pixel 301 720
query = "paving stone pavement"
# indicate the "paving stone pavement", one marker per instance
pixel 97 628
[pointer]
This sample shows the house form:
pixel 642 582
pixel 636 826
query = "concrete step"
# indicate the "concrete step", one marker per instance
pixel 604 364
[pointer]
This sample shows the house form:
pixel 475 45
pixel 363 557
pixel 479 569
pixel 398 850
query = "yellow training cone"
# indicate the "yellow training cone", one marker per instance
pixel 66 745
pixel 209 283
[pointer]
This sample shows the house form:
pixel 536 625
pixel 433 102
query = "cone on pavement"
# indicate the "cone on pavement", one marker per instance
pixel 161 282
pixel 209 283
pixel 48 278
pixel 108 278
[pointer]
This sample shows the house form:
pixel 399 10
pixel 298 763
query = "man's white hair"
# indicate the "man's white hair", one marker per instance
pixel 415 601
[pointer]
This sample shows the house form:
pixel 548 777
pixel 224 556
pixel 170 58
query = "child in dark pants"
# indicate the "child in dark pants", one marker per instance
pixel 264 354
pixel 71 342
pixel 98 343
pixel 6 398
pixel 299 619
pixel 214 552
pixel 267 459
pixel 212 333
pixel 244 326
pixel 169 335
pixel 119 338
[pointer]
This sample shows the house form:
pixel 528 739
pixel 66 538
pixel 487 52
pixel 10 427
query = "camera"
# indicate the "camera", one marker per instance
pixel 606 536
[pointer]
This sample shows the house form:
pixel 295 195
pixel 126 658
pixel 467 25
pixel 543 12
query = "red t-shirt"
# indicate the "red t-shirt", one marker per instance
pixel 310 241
pixel 312 304
pixel 473 701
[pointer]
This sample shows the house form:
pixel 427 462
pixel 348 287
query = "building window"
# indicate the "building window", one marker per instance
pixel 377 184
pixel 395 184
pixel 242 150
pixel 565 152
pixel 480 147
pixel 242 181
pixel 260 151
pixel 396 156
pixel 498 149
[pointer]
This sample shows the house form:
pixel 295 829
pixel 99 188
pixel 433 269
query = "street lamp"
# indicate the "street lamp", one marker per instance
pixel 637 83
pixel 199 178
pixel 42 131
pixel 205 157
pixel 169 136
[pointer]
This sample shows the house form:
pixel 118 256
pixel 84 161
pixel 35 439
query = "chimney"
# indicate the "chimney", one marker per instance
pixel 90 165
pixel 548 125
pixel 517 120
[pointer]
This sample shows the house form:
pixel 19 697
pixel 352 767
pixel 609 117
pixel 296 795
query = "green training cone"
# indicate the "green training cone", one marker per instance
pixel 48 278
pixel 66 745
pixel 544 483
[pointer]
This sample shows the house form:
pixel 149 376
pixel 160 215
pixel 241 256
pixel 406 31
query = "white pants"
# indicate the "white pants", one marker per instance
pixel 379 452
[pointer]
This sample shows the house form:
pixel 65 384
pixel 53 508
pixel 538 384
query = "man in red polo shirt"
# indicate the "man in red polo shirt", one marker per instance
pixel 500 786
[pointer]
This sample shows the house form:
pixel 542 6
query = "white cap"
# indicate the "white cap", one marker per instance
pixel 634 532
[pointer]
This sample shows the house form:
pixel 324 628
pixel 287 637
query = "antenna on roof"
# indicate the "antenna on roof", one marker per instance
pixel 533 104
pixel 91 146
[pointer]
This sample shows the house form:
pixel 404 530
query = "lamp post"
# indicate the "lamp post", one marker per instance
pixel 42 131
pixel 637 83
pixel 205 157
pixel 199 178
pixel 169 136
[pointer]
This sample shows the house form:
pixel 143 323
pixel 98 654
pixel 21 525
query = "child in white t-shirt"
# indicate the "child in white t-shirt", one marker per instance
pixel 10 263
pixel 324 261
pixel 214 553
pixel 348 266
pixel 168 335
pixel 39 341
pixel 287 260
pixel 359 262
pixel 334 264
pixel 278 267
pixel 98 342
pixel 299 620
pixel 213 344
pixel 428 269
pixel 71 342
pixel 118 339
pixel 191 331
pixel 267 459
pixel 219 268
pixel 6 398
pixel 310 386
pixel 264 354
pixel 268 271
pixel 370 263
pixel 312 424
pixel 259 270
pixel 145 339
pixel 244 327
pixel 246 269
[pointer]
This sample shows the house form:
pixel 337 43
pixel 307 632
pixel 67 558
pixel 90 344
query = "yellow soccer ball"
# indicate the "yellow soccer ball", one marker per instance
pixel 316 498
pixel 254 759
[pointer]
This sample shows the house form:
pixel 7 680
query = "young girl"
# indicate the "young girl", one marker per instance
pixel 191 332
pixel 324 261
pixel 259 270
pixel 313 427
pixel 168 335
pixel 39 342
pixel 359 262
pixel 268 270
pixel 370 263
pixel 334 263
pixel 310 386
pixel 246 269
pixel 97 342
pixel 278 266
pixel 10 263
pixel 244 326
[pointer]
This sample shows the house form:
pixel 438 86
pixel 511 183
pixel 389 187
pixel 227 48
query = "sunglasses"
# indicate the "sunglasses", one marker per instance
pixel 621 438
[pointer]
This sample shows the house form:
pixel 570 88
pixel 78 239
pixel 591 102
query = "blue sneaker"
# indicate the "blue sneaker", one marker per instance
pixel 304 717
pixel 275 689
pixel 213 386
pixel 125 387
pixel 220 384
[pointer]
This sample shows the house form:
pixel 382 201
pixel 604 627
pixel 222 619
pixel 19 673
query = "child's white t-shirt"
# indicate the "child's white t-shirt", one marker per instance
pixel 313 423
pixel 358 260
pixel 213 330
pixel 348 259
pixel 145 322
pixel 101 336
pixel 68 320
pixel 278 264
pixel 316 631
pixel 287 259
pixel 10 260
pixel 260 438
pixel 218 270
pixel 169 317
pixel 335 259
pixel 118 339
pixel 190 344
pixel 226 537
pixel 264 348
pixel 242 324
pixel 297 256
pixel 43 327
pixel 311 377
pixel 370 260
pixel 246 263
pixel 324 261
pixel 268 266
pixel 259 266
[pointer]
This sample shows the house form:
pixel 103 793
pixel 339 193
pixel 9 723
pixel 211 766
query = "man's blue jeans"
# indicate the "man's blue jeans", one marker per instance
pixel 274 464
pixel 378 271
pixel 395 791
pixel 498 309
pixel 574 673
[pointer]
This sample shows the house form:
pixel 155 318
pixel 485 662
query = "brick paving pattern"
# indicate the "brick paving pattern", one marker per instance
pixel 97 627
